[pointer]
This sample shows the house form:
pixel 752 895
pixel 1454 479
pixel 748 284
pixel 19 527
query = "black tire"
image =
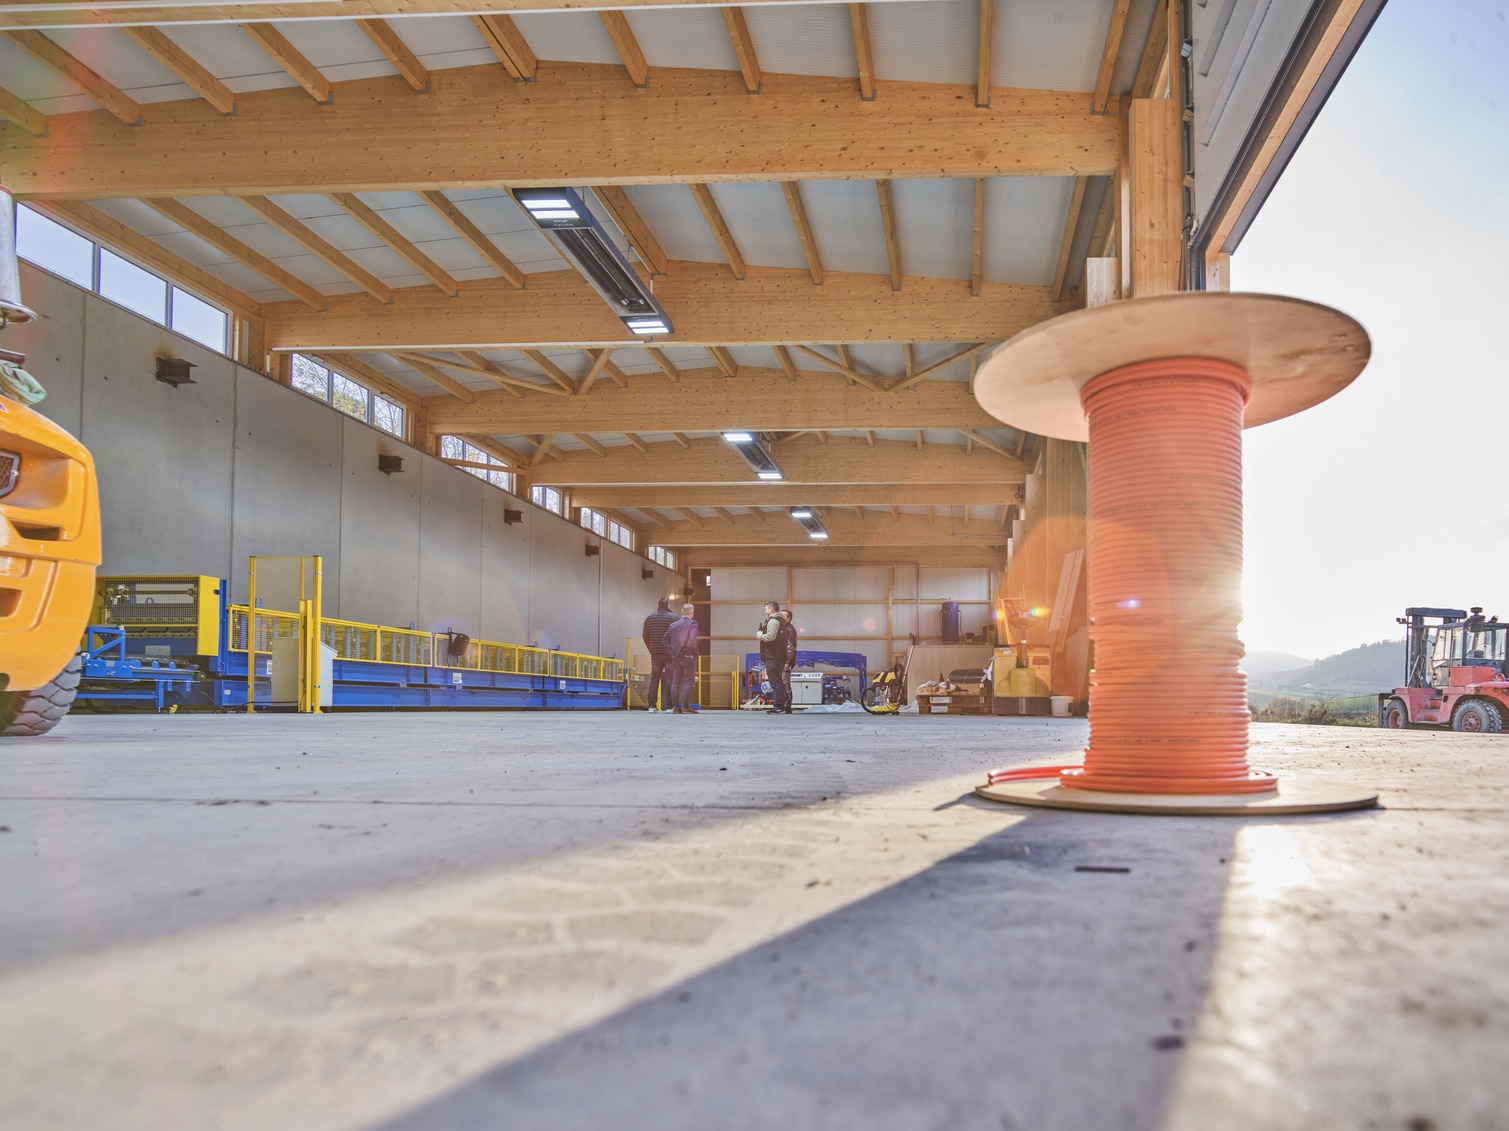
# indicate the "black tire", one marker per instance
pixel 869 699
pixel 1395 715
pixel 24 713
pixel 1477 716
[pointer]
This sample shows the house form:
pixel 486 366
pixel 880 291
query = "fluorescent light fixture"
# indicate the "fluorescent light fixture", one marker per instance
pixel 738 437
pixel 810 521
pixel 801 512
pixel 768 474
pixel 562 215
pixel 819 535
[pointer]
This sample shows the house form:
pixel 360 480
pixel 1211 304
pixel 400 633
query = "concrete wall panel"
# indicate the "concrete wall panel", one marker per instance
pixel 379 564
pixel 53 345
pixel 505 581
pixel 450 550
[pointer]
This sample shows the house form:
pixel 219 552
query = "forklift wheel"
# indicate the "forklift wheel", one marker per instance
pixel 29 713
pixel 1478 717
pixel 1395 717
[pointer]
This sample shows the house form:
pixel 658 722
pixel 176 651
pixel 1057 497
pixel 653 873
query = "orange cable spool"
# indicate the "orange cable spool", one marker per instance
pixel 1168 703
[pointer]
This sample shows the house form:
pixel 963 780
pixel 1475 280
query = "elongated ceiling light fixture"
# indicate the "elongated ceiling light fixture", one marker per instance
pixel 810 523
pixel 563 216
pixel 752 447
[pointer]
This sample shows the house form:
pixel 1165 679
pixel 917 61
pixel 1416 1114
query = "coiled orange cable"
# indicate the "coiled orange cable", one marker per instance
pixel 1168 703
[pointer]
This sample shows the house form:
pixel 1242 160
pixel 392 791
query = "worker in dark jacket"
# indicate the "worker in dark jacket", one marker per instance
pixel 773 656
pixel 789 638
pixel 681 644
pixel 659 692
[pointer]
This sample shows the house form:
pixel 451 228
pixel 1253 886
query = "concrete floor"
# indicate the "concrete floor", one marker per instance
pixel 421 922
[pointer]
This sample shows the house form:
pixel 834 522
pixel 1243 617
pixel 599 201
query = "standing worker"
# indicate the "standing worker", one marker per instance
pixel 681 644
pixel 789 638
pixel 773 656
pixel 661 689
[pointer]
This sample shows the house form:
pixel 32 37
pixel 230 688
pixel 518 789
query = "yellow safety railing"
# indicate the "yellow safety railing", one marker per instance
pixel 378 644
pixel 718 681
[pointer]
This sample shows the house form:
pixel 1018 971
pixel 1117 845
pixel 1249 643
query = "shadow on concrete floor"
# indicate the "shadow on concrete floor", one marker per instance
pixel 1002 988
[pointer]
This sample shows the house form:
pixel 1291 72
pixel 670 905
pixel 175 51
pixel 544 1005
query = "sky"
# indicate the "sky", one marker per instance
pixel 1395 210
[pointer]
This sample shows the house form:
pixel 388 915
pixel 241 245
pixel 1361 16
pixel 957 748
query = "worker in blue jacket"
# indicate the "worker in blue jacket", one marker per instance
pixel 681 646
pixel 660 691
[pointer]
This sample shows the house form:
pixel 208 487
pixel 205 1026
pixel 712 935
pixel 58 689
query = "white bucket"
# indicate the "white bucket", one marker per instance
pixel 1059 705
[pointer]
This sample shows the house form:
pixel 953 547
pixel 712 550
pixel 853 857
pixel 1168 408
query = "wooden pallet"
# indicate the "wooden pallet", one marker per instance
pixel 954 703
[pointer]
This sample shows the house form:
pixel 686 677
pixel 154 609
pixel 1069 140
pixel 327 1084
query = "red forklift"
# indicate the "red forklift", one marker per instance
pixel 1456 672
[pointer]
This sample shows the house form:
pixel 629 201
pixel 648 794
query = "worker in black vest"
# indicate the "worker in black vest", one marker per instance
pixel 659 692
pixel 789 638
pixel 773 656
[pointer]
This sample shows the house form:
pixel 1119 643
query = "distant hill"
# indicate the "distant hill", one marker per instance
pixel 1261 663
pixel 1370 667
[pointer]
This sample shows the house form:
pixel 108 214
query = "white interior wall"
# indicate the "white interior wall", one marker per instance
pixel 195 479
pixel 844 608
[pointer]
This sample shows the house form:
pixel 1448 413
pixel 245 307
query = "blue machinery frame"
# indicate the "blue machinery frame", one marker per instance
pixel 170 670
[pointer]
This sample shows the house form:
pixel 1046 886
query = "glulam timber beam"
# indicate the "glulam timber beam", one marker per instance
pixel 635 230
pixel 791 495
pixel 844 529
pixel 115 101
pixel 364 215
pixel 687 127
pixel 841 460
pixel 287 56
pixel 175 59
pixel 770 306
pixel 793 193
pixel 764 400
pixel 888 226
pixel 474 235
pixel 725 238
pixel 316 246
pixel 223 242
pixel 404 61
pixel 509 45
pixel 864 56
pixel 820 554
pixel 744 49
pixel 1109 56
pixel 617 26
pixel 18 111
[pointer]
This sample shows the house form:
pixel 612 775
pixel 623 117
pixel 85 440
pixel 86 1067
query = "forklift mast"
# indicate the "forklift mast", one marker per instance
pixel 1418 640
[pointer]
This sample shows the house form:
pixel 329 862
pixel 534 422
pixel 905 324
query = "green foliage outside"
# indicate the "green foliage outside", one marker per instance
pixel 1353 711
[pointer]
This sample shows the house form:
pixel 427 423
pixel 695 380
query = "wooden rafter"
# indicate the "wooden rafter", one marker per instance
pixel 628 47
pixel 1154 51
pixel 287 56
pixel 976 438
pixel 363 215
pixel 690 127
pixel 542 449
pixel 864 57
pixel 840 367
pixel 312 243
pixel 615 374
pixel 599 361
pixel 659 358
pixel 196 225
pixel 680 438
pixel 783 355
pixel 641 239
pixel 16 110
pixel 550 369
pixel 169 55
pixel 793 193
pixel 509 45
pixel 744 51
pixel 1066 245
pixel 724 361
pixel 61 63
pixel 474 235
pixel 709 207
pixel 509 384
pixel 982 59
pixel 638 444
pixel 908 362
pixel 404 61
pixel 954 359
pixel 429 369
pixel 888 225
pixel 110 231
pixel 977 262
pixel 1109 56
pixel 870 436
pixel 725 516
pixel 589 443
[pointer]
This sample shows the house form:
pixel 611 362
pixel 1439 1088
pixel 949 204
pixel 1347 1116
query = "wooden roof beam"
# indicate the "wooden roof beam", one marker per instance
pixel 318 247
pixel 840 367
pixel 541 450
pixel 175 59
pixel 691 127
pixel 744 50
pixel 495 374
pixel 64 65
pixel 196 225
pixel 888 225
pixel 589 443
pixel 404 61
pixel 938 367
pixel 659 358
pixel 864 57
pixel 1109 56
pixel 635 230
pixel 429 369
pixel 599 361
pixel 550 369
pixel 628 47
pixel 783 356
pixel 112 233
pixel 17 110
pixel 793 193
pixel 772 305
pixel 977 260
pixel 1066 245
pixel 724 361
pixel 473 235
pixel 709 208
pixel 358 210
pixel 982 55
pixel 287 56
pixel 509 45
